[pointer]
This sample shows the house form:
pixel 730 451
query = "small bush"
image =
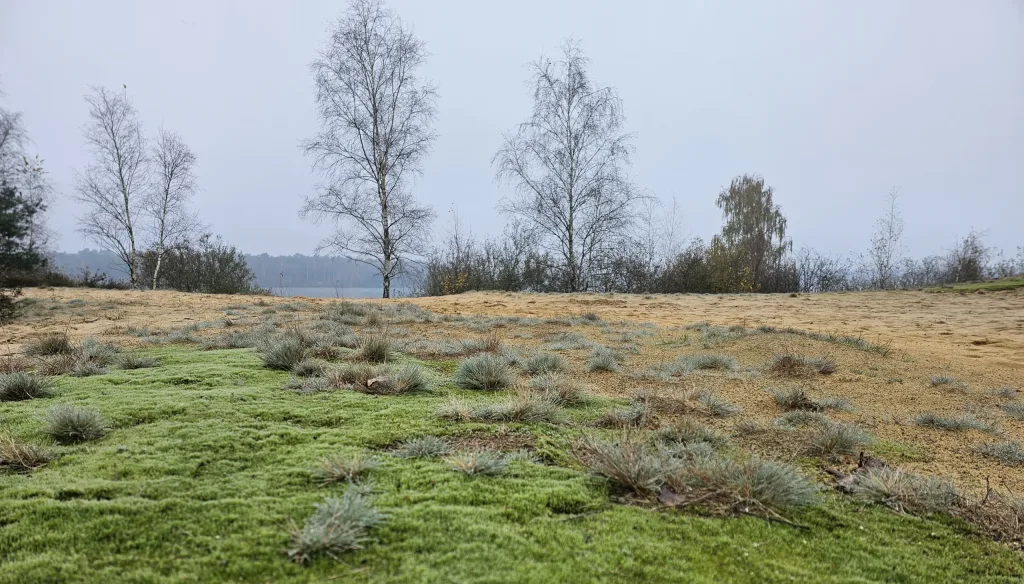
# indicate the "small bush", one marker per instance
pixel 18 456
pixel 22 386
pixel 544 363
pixel 956 423
pixel 50 344
pixel 68 424
pixel 559 390
pixel 689 431
pixel 340 468
pixel 603 359
pixel 1009 453
pixel 631 466
pixel 830 440
pixel 903 491
pixel 488 372
pixel 1015 411
pixel 481 462
pixel 336 526
pixel 283 355
pixel 425 447
pixel 715 406
pixel 702 361
pixel 374 348
pixel 136 361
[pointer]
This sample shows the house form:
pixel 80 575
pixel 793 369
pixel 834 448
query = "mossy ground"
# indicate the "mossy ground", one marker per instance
pixel 987 286
pixel 207 461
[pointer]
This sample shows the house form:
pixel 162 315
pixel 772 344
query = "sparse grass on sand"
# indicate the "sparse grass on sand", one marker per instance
pixel 199 467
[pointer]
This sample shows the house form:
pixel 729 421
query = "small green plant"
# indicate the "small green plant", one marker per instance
pixel 340 468
pixel 480 462
pixel 20 386
pixel 957 423
pixel 831 440
pixel 486 371
pixel 283 354
pixel 336 526
pixel 544 363
pixel 1009 453
pixel 603 359
pixel 50 344
pixel 18 456
pixel 424 447
pixel 136 361
pixel 68 424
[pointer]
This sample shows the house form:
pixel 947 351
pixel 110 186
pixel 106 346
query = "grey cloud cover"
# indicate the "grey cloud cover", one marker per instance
pixel 833 102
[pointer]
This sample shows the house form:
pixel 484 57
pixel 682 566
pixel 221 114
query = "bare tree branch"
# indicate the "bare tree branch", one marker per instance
pixel 375 116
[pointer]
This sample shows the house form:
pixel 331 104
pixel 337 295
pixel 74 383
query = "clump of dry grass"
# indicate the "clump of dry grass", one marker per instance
pixel 49 344
pixel 559 390
pixel 715 406
pixel 374 347
pixel 690 431
pixel 341 468
pixel 479 462
pixel 629 465
pixel 794 365
pixel 18 456
pixel 833 439
pixel 903 491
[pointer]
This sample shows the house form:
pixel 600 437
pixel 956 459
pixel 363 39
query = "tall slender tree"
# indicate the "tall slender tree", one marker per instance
pixel 174 183
pixel 568 166
pixel 886 248
pixel 375 128
pixel 113 187
pixel 754 228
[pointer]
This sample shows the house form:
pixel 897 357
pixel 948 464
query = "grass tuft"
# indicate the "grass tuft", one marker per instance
pixel 559 390
pixel 603 359
pixel 310 368
pixel 1015 411
pixel 136 361
pixel 716 406
pixel 68 424
pixel 1008 453
pixel 690 431
pixel 794 365
pixel 705 361
pixel 479 462
pixel 831 440
pixel 374 347
pixel 544 363
pixel 20 386
pixel 629 465
pixel 957 423
pixel 903 491
pixel 18 456
pixel 284 354
pixel 424 447
pixel 50 344
pixel 486 371
pixel 340 468
pixel 337 525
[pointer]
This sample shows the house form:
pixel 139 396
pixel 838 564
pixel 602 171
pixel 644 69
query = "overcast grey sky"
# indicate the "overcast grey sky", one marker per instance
pixel 832 102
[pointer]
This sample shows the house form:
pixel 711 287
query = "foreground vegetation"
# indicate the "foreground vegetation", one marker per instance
pixel 446 461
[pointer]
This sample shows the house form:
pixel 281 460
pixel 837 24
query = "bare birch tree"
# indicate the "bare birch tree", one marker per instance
pixel 114 186
pixel 886 248
pixel 375 129
pixel 567 163
pixel 174 183
pixel 26 174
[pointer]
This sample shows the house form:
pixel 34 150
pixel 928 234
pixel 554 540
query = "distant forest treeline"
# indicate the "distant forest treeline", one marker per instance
pixel 295 271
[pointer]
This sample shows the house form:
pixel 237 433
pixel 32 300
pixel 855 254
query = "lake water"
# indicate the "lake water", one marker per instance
pixel 336 292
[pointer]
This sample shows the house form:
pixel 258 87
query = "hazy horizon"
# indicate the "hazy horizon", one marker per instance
pixel 833 104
